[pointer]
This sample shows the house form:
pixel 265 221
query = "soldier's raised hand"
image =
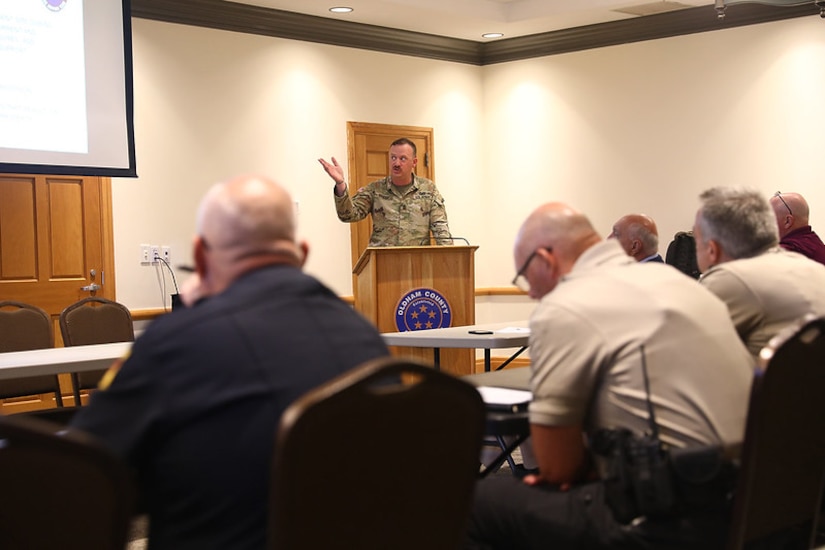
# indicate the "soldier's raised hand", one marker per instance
pixel 334 170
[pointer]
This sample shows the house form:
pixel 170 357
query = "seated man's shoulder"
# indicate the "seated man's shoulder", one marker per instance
pixel 800 260
pixel 776 260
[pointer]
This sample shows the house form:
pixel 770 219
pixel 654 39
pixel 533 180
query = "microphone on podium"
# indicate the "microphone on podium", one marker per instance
pixel 426 240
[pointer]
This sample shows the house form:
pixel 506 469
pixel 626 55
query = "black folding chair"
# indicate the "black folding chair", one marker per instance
pixel 90 321
pixel 26 327
pixel 384 456
pixel 60 489
pixel 778 493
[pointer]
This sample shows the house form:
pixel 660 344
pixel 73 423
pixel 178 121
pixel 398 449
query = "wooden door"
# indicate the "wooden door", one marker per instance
pixel 368 152
pixel 55 239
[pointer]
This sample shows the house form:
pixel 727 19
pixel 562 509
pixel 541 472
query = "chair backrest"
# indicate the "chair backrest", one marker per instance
pixel 681 254
pixel 96 320
pixel 26 327
pixel 783 456
pixel 384 456
pixel 61 490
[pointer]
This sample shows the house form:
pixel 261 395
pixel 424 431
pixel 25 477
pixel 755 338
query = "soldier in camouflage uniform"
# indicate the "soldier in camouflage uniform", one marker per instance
pixel 404 207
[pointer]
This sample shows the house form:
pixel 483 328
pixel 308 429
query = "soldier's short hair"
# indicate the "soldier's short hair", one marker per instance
pixel 405 141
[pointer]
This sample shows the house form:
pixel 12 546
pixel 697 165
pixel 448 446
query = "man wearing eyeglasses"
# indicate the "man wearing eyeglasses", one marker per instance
pixel 601 319
pixel 795 233
pixel 765 287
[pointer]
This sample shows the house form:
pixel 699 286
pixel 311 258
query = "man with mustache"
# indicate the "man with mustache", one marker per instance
pixel 405 207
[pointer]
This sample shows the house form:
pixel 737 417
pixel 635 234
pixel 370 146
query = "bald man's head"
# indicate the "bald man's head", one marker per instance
pixel 791 211
pixel 638 235
pixel 246 214
pixel 556 235
pixel 244 223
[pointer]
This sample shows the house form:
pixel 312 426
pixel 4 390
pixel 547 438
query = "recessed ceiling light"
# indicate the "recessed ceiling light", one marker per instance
pixel 340 9
pixel 492 35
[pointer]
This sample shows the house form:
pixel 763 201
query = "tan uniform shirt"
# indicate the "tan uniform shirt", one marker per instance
pixel 766 293
pixel 586 347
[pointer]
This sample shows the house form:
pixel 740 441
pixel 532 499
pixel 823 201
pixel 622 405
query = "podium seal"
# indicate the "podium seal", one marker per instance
pixel 422 309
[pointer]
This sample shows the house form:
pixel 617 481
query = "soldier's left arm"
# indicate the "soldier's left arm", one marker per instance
pixel 438 220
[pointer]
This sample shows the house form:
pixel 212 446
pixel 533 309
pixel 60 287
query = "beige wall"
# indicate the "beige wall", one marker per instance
pixel 639 127
pixel 210 104
pixel 646 127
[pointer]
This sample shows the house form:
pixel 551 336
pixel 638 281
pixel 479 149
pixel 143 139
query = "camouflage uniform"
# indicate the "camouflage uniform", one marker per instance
pixel 398 220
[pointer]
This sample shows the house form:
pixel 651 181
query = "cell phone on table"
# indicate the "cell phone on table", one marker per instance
pixel 479 331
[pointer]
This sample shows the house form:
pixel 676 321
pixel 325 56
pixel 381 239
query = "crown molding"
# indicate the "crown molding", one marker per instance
pixel 232 16
pixel 639 29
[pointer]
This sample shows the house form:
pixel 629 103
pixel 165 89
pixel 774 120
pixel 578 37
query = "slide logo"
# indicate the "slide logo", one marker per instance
pixel 422 309
pixel 55 5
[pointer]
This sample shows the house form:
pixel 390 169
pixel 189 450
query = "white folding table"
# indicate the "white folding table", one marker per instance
pixel 486 337
pixel 21 364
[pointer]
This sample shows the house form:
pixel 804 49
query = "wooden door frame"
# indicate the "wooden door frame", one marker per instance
pixel 107 239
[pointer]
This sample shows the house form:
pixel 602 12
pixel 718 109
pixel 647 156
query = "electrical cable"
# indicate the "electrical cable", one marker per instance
pixel 171 272
pixel 174 280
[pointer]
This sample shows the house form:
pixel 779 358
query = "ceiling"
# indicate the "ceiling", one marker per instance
pixel 451 30
pixel 470 19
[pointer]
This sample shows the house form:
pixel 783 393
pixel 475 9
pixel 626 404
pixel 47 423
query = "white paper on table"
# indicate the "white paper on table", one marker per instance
pixel 514 330
pixel 505 398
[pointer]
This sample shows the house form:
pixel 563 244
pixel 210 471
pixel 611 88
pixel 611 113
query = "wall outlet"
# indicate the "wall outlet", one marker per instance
pixel 155 254
pixel 166 254
pixel 145 254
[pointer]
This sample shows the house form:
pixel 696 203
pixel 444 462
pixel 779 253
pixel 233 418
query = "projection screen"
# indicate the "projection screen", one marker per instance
pixel 66 104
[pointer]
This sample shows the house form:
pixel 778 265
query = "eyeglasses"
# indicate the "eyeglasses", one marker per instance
pixel 778 195
pixel 520 280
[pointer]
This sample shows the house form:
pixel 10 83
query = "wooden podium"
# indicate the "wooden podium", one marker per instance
pixel 386 281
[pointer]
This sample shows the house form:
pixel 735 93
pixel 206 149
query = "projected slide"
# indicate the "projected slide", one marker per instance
pixel 43 87
pixel 66 94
